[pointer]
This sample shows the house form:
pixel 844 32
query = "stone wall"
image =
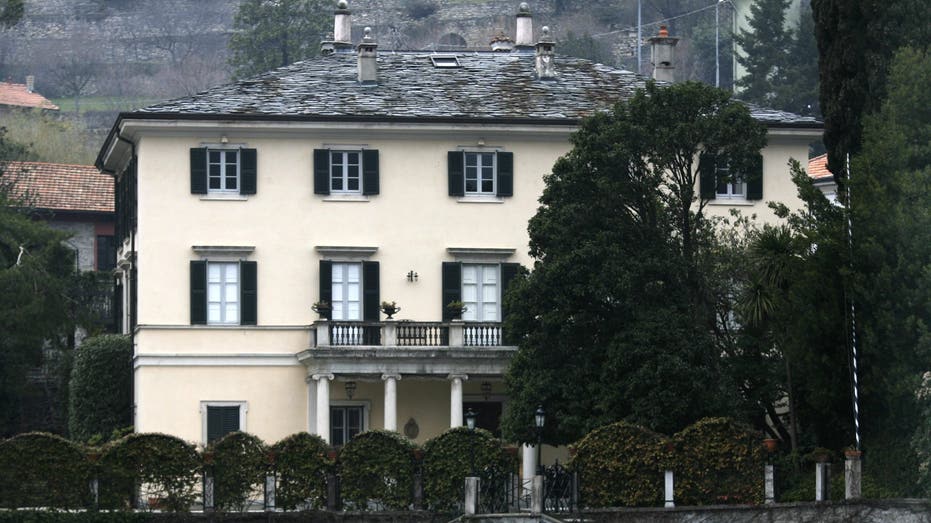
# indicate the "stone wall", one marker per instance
pixel 83 241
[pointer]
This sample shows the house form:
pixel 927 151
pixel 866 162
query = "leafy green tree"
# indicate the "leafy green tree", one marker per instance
pixel 763 50
pixel 101 395
pixel 798 90
pixel 614 321
pixel 275 33
pixel 856 42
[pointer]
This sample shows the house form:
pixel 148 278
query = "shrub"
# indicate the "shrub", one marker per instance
pixel 447 462
pixel 377 471
pixel 101 387
pixel 301 464
pixel 239 468
pixel 718 460
pixel 163 468
pixel 43 470
pixel 621 465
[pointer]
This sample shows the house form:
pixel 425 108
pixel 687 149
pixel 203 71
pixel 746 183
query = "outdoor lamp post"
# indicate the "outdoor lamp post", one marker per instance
pixel 539 419
pixel 470 416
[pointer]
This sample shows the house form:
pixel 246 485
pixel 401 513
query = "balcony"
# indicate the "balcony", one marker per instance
pixel 407 347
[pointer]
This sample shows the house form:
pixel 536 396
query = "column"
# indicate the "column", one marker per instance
pixel 323 405
pixel 528 460
pixel 455 399
pixel 391 401
pixel 311 405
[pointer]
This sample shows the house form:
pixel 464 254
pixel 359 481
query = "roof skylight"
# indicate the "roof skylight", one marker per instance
pixel 445 61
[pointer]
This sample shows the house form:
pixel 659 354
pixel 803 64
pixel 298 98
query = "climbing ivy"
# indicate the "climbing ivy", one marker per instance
pixel 448 460
pixel 301 465
pixel 240 462
pixel 377 471
pixel 43 470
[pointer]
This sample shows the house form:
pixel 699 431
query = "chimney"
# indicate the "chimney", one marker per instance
pixel 368 59
pixel 501 43
pixel 662 55
pixel 342 28
pixel 30 83
pixel 524 40
pixel 546 69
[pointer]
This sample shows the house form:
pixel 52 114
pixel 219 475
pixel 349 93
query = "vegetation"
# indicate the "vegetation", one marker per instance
pixel 301 464
pixel 377 470
pixel 448 460
pixel 101 397
pixel 239 465
pixel 43 470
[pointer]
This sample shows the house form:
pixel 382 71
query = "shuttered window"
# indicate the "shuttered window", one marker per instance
pixel 480 173
pixel 232 171
pixel 221 420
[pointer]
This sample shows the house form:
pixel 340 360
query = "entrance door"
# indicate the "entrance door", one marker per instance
pixel 488 415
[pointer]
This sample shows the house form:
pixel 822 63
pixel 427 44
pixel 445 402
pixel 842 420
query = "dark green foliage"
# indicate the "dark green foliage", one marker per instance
pixel 11 12
pixel 447 462
pixel 856 42
pixel 718 460
pixel 301 464
pixel 377 470
pixel 101 387
pixel 614 322
pixel 274 34
pixel 46 516
pixel 165 467
pixel 240 462
pixel 585 46
pixel 621 465
pixel 43 470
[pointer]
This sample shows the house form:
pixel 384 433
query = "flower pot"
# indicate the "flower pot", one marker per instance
pixel 770 444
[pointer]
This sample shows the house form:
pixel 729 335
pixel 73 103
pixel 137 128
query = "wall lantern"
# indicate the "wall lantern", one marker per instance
pixel 486 390
pixel 350 389
pixel 411 276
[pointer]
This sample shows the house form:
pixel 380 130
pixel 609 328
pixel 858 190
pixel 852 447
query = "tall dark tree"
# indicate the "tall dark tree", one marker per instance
pixel 764 50
pixel 856 42
pixel 613 322
pixel 275 33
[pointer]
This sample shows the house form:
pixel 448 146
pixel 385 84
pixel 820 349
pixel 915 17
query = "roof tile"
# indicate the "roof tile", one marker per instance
pixel 18 95
pixel 62 187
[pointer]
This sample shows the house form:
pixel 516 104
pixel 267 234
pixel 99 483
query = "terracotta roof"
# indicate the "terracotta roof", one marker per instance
pixel 62 187
pixel 818 168
pixel 18 95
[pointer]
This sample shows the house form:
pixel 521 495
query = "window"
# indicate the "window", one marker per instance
pixel 345 423
pixel 219 418
pixel 346 171
pixel 726 186
pixel 480 292
pixel 718 180
pixel 481 173
pixel 229 170
pixel 106 253
pixel 223 293
pixel 347 295
pixel 352 289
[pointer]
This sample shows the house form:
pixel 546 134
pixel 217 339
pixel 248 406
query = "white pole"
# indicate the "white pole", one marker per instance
pixel 639 37
pixel 717 54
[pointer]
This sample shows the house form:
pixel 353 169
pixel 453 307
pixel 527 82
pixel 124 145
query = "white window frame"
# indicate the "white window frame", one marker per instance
pixel 366 407
pixel 223 164
pixel 243 409
pixel 344 266
pixel 223 302
pixel 730 192
pixel 479 303
pixel 344 176
pixel 477 169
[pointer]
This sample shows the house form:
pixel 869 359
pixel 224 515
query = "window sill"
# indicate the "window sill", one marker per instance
pixel 223 197
pixel 731 202
pixel 480 199
pixel 346 198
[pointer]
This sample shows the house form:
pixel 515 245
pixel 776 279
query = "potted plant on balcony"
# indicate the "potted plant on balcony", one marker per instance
pixel 456 308
pixel 322 308
pixel 390 308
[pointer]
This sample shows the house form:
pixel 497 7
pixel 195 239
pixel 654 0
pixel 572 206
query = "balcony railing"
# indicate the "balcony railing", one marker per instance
pixel 408 334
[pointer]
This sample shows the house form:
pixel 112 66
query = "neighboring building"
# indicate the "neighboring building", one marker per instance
pixel 23 96
pixel 822 177
pixel 352 178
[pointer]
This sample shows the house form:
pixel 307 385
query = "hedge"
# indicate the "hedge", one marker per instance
pixel 301 465
pixel 101 394
pixel 164 468
pixel 239 468
pixel 43 470
pixel 377 471
pixel 718 461
pixel 621 465
pixel 447 462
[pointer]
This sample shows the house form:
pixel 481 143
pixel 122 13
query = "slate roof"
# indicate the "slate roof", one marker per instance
pixel 62 187
pixel 487 86
pixel 18 95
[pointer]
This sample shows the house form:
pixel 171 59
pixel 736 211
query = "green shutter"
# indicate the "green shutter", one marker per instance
pixel 369 171
pixel 505 174
pixel 248 171
pixel 452 286
pixel 456 173
pixel 248 293
pixel 198 170
pixel 371 298
pixel 221 421
pixel 326 284
pixel 321 171
pixel 755 179
pixel 708 186
pixel 198 293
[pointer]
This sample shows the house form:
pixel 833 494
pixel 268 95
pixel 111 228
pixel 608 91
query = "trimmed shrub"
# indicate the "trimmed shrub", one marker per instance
pixel 301 464
pixel 101 394
pixel 240 462
pixel 377 471
pixel 164 469
pixel 621 465
pixel 718 461
pixel 447 462
pixel 43 470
